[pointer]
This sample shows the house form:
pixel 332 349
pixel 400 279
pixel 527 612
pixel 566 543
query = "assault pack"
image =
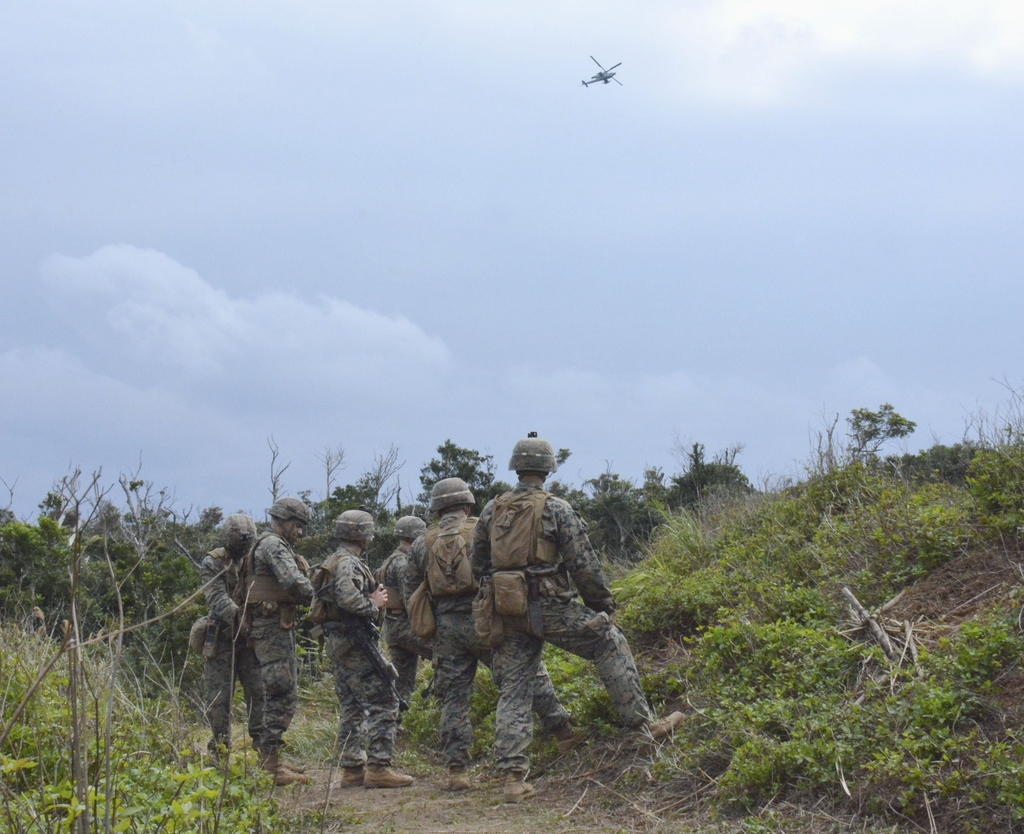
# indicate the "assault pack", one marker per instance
pixel 322 609
pixel 449 572
pixel 517 528
pixel 394 603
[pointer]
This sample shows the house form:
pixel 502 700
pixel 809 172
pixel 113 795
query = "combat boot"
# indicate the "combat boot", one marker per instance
pixel 351 777
pixel 458 780
pixel 517 788
pixel 567 738
pixel 663 729
pixel 271 763
pixel 379 776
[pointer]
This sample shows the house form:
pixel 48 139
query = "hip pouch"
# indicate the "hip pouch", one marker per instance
pixel 421 612
pixel 197 636
pixel 487 622
pixel 511 597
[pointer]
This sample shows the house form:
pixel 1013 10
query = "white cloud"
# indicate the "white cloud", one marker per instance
pixel 765 51
pixel 153 361
pixel 139 314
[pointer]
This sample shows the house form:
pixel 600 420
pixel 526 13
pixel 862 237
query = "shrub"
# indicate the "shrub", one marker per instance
pixel 154 781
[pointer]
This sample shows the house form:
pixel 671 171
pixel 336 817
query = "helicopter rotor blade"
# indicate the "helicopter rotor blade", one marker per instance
pixel 611 68
pixel 616 80
pixel 592 58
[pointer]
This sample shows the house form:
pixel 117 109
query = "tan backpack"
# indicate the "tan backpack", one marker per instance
pixel 516 531
pixel 321 610
pixel 449 572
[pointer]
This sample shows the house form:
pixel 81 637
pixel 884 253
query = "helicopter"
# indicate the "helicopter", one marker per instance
pixel 604 75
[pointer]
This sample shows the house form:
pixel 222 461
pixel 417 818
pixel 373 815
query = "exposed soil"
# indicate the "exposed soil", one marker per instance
pixel 957 590
pixel 561 804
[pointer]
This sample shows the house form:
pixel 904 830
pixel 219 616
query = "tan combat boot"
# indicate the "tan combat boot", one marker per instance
pixel 271 763
pixel 664 728
pixel 567 738
pixel 379 776
pixel 458 780
pixel 351 777
pixel 517 788
pixel 294 769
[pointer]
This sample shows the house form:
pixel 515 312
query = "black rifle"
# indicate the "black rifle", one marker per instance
pixel 365 634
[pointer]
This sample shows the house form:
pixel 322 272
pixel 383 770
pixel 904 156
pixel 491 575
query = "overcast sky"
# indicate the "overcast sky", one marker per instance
pixel 395 223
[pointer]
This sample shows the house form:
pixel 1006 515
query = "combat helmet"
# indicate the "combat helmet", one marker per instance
pixel 450 492
pixel 533 455
pixel 285 509
pixel 354 526
pixel 238 529
pixel 409 527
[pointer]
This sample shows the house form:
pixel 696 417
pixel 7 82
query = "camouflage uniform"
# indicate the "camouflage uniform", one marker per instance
pixel 584 630
pixel 368 706
pixel 273 637
pixel 234 658
pixel 457 651
pixel 404 647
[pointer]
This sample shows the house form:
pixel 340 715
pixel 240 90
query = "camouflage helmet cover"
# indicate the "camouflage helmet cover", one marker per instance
pixel 409 527
pixel 285 509
pixel 533 455
pixel 354 526
pixel 450 492
pixel 237 527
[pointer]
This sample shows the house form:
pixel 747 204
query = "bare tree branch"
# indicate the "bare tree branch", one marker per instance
pixel 333 460
pixel 276 470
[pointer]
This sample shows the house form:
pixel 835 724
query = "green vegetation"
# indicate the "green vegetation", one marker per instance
pixel 788 702
pixel 732 599
pixel 139 773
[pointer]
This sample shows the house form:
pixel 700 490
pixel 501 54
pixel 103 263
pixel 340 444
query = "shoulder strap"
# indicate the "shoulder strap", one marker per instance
pixel 381 573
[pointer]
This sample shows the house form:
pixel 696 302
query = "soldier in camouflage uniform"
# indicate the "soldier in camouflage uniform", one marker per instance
pixel 554 550
pixel 275 583
pixel 368 705
pixel 457 648
pixel 229 657
pixel 404 646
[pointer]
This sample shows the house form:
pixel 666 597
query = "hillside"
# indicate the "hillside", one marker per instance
pixel 799 718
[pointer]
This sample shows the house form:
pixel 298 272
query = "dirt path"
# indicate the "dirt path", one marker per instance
pixel 426 808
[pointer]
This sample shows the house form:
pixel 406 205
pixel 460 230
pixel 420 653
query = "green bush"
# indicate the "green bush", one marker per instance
pixel 996 481
pixel 154 779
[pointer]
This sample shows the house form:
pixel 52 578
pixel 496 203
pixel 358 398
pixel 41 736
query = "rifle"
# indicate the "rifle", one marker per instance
pixel 365 634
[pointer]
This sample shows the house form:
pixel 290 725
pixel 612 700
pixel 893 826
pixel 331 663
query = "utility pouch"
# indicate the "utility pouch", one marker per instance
pixel 197 636
pixel 487 622
pixel 510 593
pixel 210 643
pixel 395 602
pixel 287 617
pixel 421 612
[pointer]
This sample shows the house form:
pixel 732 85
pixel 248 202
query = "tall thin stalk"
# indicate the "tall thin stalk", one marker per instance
pixel 114 666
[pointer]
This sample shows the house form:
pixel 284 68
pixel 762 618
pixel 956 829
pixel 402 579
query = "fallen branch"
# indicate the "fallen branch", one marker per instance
pixel 872 625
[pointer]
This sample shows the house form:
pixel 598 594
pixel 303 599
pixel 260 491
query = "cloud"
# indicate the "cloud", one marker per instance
pixel 151 360
pixel 138 314
pixel 767 51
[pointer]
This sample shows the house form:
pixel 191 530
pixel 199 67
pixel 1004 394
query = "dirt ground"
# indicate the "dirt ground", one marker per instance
pixel 566 805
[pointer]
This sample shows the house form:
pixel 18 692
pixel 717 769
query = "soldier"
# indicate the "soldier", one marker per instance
pixel 275 583
pixel 229 657
pixel 368 703
pixel 404 646
pixel 530 544
pixel 441 558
